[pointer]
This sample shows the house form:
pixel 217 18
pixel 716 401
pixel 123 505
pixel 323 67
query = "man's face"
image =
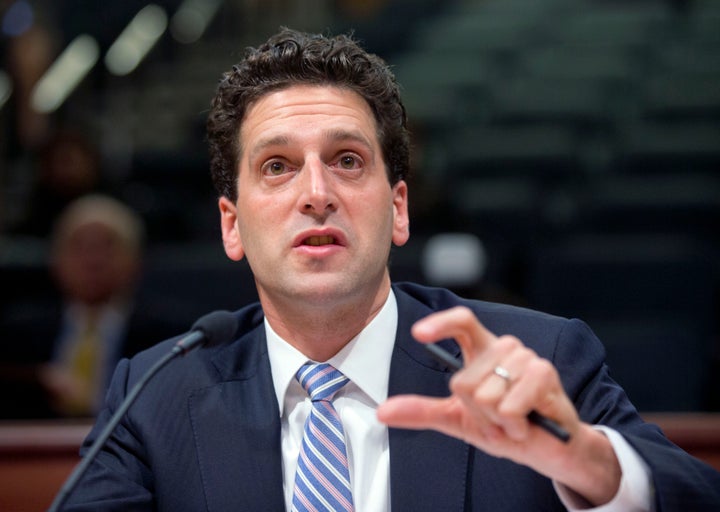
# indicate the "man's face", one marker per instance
pixel 94 265
pixel 316 214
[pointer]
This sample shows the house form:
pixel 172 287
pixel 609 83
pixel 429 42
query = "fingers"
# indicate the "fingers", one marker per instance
pixel 501 383
pixel 459 323
pixel 446 415
pixel 498 386
pixel 502 380
pixel 413 411
pixel 479 375
pixel 419 413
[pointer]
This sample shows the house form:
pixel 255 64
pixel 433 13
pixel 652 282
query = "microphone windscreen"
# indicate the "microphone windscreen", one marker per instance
pixel 217 326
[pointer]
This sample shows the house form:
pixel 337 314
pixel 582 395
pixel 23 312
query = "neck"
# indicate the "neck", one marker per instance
pixel 320 331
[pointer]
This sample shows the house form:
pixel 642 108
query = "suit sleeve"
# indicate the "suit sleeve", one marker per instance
pixel 680 481
pixel 119 478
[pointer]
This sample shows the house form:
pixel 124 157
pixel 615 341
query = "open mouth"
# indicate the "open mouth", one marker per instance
pixel 319 240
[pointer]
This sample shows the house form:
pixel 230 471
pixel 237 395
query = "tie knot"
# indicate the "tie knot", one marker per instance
pixel 320 380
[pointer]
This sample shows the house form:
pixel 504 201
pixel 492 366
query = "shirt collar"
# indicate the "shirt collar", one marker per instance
pixel 365 360
pixel 108 317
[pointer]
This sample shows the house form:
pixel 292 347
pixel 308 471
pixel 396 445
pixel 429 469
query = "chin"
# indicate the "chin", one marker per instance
pixel 334 292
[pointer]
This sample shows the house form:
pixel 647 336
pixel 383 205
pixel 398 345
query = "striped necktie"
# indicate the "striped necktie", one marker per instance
pixel 322 480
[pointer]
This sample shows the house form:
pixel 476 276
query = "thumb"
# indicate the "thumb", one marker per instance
pixel 417 412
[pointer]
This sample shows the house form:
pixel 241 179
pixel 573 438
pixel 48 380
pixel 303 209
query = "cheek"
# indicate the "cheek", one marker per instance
pixel 254 229
pixel 377 216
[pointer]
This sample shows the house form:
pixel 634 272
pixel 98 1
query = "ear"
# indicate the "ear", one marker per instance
pixel 401 218
pixel 230 232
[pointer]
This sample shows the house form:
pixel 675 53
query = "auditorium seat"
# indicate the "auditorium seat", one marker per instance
pixel 662 203
pixel 682 97
pixel 677 148
pixel 543 152
pixel 604 64
pixel 580 104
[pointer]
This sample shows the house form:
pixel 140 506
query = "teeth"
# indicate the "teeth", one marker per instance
pixel 319 240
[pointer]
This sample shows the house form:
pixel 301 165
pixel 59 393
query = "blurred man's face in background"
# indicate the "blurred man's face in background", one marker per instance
pixel 93 264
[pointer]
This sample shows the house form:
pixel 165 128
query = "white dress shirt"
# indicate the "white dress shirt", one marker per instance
pixel 365 360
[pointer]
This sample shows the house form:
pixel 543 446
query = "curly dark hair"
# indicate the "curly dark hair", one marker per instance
pixel 290 58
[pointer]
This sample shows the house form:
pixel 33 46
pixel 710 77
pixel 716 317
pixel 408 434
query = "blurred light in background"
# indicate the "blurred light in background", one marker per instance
pixel 192 19
pixel 18 18
pixel 5 88
pixel 138 38
pixel 65 74
pixel 454 259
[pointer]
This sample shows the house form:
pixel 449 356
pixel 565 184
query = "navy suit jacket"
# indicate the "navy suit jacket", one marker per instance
pixel 205 432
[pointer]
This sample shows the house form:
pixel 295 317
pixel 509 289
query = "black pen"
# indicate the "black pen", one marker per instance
pixel 534 417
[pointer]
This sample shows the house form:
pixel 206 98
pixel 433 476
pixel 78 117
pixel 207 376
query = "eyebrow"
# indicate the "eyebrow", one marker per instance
pixel 336 135
pixel 349 135
pixel 277 140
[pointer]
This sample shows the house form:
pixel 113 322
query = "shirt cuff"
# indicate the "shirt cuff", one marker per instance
pixel 635 493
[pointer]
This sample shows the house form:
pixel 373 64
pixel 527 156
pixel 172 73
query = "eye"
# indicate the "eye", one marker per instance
pixel 274 168
pixel 349 162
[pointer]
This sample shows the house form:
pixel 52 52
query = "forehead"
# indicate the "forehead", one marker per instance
pixel 306 108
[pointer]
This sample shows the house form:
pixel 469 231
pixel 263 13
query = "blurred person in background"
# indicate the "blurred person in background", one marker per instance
pixel 63 351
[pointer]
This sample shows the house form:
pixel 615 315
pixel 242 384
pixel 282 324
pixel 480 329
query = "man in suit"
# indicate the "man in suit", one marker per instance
pixel 60 349
pixel 309 154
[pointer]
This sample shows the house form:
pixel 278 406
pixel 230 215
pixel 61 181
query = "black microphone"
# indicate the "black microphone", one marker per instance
pixel 211 329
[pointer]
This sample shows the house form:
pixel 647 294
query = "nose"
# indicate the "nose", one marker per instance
pixel 318 194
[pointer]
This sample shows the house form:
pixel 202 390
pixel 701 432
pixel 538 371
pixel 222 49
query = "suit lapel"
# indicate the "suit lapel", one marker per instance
pixel 236 425
pixel 237 433
pixel 428 470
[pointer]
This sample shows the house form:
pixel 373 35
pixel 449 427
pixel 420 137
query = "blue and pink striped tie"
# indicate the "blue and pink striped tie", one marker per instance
pixel 322 481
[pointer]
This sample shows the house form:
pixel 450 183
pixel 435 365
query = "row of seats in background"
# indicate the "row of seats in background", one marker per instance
pixel 587 61
pixel 580 141
pixel 558 89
